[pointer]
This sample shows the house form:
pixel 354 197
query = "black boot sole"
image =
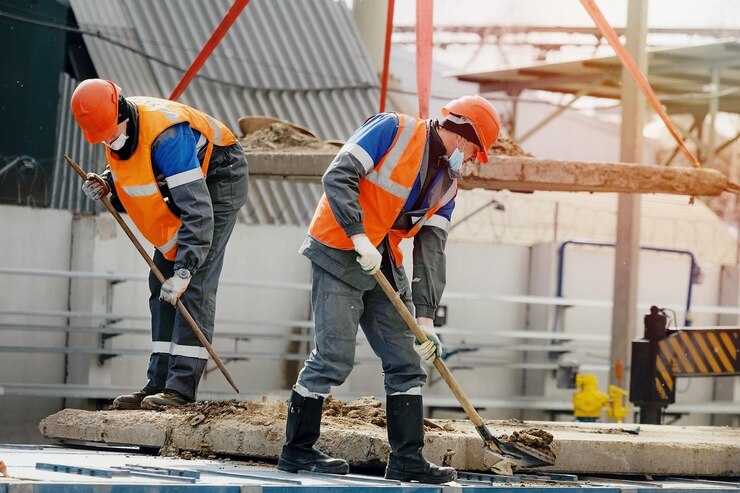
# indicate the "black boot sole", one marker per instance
pixel 421 478
pixel 294 467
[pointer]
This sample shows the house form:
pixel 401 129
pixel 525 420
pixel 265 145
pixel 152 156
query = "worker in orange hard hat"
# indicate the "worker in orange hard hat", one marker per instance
pixel 182 177
pixel 396 177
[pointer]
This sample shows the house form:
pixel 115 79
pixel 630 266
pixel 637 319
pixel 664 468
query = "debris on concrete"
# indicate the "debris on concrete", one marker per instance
pixel 504 146
pixel 285 137
pixel 533 437
pixel 355 431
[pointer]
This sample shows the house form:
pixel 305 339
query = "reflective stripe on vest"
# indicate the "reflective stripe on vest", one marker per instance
pixel 426 220
pixel 383 192
pixel 134 177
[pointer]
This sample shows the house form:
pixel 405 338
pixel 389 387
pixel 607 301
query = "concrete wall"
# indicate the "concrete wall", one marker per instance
pixel 95 243
pixel 255 253
pixel 588 274
pixel 45 245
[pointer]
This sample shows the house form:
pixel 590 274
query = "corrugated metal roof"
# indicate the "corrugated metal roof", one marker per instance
pixel 300 61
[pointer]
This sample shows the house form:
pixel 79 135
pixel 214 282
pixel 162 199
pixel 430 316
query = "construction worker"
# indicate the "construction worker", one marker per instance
pixel 395 178
pixel 181 176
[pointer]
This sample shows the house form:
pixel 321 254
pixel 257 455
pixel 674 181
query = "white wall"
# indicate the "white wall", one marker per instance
pixel 39 239
pixel 254 252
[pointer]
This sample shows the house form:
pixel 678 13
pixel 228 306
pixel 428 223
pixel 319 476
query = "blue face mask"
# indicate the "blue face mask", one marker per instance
pixel 455 161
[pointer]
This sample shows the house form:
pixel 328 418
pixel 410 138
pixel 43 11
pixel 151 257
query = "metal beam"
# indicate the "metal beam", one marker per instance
pixel 626 258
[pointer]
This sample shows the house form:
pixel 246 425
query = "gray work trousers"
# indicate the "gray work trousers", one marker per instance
pixel 338 310
pixel 181 367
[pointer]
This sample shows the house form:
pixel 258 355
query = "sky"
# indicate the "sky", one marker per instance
pixel 661 13
pixel 705 14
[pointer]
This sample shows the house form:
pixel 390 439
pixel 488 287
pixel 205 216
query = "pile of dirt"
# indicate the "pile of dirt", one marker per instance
pixel 504 146
pixel 284 137
pixel 280 136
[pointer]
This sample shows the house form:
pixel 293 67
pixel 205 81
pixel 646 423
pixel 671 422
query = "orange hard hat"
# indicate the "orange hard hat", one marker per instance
pixel 95 108
pixel 482 116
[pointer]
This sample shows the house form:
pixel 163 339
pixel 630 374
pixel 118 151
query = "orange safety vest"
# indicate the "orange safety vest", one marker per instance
pixel 134 177
pixel 383 192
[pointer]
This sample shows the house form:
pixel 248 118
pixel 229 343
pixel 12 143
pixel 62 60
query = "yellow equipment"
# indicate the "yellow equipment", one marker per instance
pixel 588 401
pixel 617 410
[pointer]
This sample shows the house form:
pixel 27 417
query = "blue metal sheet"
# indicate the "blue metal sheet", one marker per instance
pixel 57 469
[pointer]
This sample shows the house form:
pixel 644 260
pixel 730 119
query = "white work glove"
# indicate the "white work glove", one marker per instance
pixel 173 287
pixel 370 257
pixel 431 349
pixel 95 187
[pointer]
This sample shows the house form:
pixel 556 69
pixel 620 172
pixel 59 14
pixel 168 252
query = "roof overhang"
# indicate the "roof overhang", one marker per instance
pixel 681 77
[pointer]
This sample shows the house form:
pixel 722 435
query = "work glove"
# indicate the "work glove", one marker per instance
pixel 370 257
pixel 95 187
pixel 431 349
pixel 173 287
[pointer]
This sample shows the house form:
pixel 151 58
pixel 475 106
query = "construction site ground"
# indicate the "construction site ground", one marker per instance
pixel 85 468
pixel 356 432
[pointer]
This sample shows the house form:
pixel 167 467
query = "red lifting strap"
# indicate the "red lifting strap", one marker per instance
pixel 386 55
pixel 424 32
pixel 208 48
pixel 629 63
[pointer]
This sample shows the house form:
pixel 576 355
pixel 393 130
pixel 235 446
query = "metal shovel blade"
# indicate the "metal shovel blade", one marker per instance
pixel 524 455
pixel 521 454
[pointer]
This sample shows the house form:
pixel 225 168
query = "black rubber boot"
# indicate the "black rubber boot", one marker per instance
pixel 406 436
pixel 301 433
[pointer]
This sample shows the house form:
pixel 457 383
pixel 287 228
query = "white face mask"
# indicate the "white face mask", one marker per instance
pixel 118 143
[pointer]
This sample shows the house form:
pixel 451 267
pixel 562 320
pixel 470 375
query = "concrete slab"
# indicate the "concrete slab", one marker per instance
pixel 257 430
pixel 526 174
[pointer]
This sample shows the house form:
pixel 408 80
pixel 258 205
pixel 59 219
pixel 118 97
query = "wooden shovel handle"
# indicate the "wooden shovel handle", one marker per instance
pixel 438 363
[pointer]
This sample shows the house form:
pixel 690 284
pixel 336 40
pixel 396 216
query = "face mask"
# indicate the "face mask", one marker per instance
pixel 117 144
pixel 455 162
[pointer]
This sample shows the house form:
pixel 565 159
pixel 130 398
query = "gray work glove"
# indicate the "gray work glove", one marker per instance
pixel 431 349
pixel 95 187
pixel 173 287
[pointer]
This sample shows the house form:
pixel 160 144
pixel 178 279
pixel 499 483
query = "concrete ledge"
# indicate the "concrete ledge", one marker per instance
pixel 526 174
pixel 594 448
pixel 529 174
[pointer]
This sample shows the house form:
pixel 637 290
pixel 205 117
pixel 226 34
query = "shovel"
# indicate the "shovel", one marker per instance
pixel 184 311
pixel 521 454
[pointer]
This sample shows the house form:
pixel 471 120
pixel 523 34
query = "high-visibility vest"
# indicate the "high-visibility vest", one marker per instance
pixel 383 192
pixel 134 177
